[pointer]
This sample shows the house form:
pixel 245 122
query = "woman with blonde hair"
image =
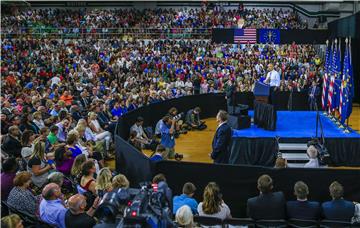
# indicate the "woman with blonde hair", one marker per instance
pixel 77 166
pixel 38 165
pixel 96 132
pixel 213 205
pixel 120 181
pixel 184 217
pixel 11 221
pixel 103 182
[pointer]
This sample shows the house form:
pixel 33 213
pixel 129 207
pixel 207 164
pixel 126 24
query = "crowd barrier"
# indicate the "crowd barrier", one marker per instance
pixel 238 182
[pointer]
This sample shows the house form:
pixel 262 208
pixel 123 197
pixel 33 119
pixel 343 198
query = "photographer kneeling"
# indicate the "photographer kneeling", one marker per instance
pixel 193 119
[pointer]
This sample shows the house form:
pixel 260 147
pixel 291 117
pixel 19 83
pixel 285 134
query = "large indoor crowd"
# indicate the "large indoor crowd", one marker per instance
pixel 75 20
pixel 61 99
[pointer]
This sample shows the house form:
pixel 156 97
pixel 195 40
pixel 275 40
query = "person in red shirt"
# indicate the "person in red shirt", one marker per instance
pixel 67 98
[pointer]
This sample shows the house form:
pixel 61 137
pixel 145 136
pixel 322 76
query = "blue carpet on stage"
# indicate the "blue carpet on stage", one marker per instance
pixel 296 124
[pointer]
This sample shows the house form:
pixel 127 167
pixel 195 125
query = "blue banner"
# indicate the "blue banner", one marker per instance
pixel 269 36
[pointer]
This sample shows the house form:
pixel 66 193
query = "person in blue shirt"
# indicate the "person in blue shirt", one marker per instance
pixel 186 198
pixel 338 208
pixel 158 155
pixel 119 109
pixel 167 130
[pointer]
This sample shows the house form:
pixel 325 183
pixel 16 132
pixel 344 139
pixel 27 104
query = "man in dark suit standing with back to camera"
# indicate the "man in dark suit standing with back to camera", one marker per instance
pixel 222 139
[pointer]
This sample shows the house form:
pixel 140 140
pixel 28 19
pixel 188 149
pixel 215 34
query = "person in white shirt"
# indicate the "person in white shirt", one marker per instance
pixel 313 158
pixel 273 77
pixel 213 205
pixel 179 83
pixel 140 134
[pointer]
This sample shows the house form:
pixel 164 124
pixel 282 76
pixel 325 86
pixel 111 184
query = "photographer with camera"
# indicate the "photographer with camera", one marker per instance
pixel 180 127
pixel 193 119
pixel 167 131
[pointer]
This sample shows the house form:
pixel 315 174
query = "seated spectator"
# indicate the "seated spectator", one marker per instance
pixel 313 158
pixel 186 198
pixel 77 166
pixel 63 127
pixel 9 169
pixel 184 217
pixel 11 221
pixel 37 120
pixel 258 207
pixel 213 205
pixel 95 125
pixel 56 178
pixel 52 137
pixel 27 123
pixel 302 208
pixel 72 144
pixel 280 163
pixel 338 208
pixel 20 197
pixel 193 119
pixel 103 182
pixel 159 154
pixel 63 160
pixel 76 216
pixel 134 140
pixel 27 140
pixel 52 209
pixel 11 142
pixel 38 165
pixel 120 181
pixel 141 136
pixel 87 181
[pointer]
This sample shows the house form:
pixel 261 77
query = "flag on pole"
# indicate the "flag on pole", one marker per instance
pixel 346 92
pixel 325 77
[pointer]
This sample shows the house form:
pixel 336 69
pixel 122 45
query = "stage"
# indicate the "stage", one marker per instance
pixel 257 146
pixel 296 124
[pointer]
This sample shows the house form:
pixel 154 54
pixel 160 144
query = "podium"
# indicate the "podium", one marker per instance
pixel 262 92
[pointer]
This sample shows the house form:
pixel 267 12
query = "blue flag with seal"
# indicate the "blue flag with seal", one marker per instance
pixel 269 36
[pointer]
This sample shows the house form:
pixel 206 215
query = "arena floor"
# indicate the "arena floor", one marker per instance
pixel 196 145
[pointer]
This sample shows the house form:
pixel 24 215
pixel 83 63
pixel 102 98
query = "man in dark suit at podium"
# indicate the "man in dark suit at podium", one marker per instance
pixel 302 208
pixel 222 139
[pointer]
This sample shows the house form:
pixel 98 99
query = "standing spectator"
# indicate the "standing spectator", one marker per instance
pixel 213 204
pixel 11 144
pixel 167 130
pixel 20 197
pixel 338 208
pixel 302 208
pixel 258 207
pixel 52 209
pixel 9 169
pixel 221 142
pixel 186 198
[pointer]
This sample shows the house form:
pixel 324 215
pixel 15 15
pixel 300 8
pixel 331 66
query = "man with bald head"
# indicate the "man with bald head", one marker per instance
pixel 76 215
pixel 52 207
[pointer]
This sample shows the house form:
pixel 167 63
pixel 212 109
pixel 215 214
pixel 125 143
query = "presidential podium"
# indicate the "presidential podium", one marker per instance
pixel 262 92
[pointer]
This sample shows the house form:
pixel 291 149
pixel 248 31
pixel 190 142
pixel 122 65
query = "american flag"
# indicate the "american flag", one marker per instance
pixel 330 93
pixel 245 36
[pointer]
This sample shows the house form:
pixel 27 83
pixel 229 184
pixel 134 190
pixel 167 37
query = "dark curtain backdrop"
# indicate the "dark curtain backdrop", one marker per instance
pixel 238 183
pixel 253 151
pixel 349 27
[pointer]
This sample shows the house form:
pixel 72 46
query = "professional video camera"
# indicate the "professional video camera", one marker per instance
pixel 145 207
pixel 178 116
